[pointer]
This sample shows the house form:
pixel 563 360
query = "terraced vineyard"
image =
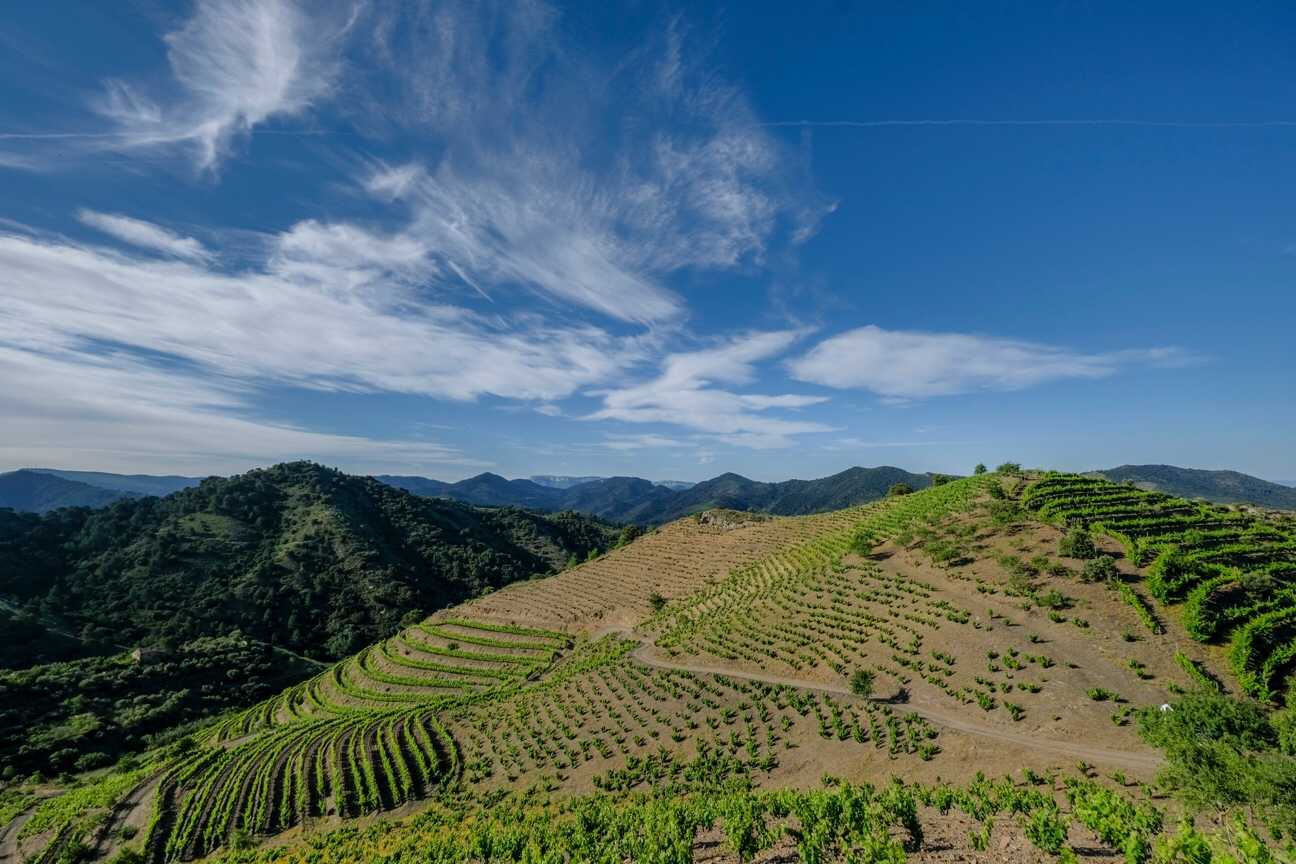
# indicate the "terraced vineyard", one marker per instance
pixel 1233 572
pixel 727 649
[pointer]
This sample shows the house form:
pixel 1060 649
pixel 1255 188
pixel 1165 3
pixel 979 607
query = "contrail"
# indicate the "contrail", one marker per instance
pixel 1165 124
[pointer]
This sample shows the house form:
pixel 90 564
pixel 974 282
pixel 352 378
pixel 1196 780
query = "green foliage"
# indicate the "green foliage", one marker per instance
pixel 1226 752
pixel 85 713
pixel 1100 569
pixel 656 601
pixel 1117 822
pixel 897 489
pixel 1009 468
pixel 861 683
pixel 979 469
pixel 1077 543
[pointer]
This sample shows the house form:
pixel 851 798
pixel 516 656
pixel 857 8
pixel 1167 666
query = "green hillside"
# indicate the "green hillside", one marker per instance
pixel 296 555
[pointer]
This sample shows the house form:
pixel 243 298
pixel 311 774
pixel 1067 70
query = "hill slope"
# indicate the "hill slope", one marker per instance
pixel 762 678
pixel 296 555
pixel 1221 487
pixel 37 492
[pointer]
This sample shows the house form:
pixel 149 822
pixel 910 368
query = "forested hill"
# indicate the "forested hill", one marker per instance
pixel 1221 487
pixel 296 555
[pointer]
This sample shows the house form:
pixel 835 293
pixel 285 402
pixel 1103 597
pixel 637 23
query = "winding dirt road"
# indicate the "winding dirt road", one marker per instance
pixel 939 715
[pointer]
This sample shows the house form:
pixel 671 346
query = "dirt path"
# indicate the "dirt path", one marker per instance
pixel 940 715
pixel 133 810
pixel 9 833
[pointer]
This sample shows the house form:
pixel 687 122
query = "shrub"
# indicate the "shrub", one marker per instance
pixel 979 469
pixel 1223 752
pixel 898 489
pixel 1077 543
pixel 1100 569
pixel 1010 468
pixel 861 682
pixel 656 601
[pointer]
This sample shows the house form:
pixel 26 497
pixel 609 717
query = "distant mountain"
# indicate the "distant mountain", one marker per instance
pixel 561 481
pixel 633 499
pixel 790 497
pixel 624 499
pixel 1221 487
pixel 39 492
pixel 135 484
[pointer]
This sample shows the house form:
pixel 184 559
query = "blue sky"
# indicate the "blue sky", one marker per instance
pixel 661 240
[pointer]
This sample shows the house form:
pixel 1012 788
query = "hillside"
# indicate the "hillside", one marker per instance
pixel 37 492
pixel 633 499
pixel 295 555
pixel 1220 487
pixel 743 687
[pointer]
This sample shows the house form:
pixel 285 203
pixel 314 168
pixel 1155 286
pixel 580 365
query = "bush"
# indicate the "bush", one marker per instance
pixel 979 469
pixel 1010 468
pixel 656 601
pixel 1100 569
pixel 899 489
pixel 1077 543
pixel 861 683
pixel 1223 752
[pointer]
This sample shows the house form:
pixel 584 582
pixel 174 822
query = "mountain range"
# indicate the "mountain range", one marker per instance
pixel 633 499
pixel 39 490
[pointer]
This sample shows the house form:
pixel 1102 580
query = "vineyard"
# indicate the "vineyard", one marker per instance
pixel 641 701
pixel 1233 572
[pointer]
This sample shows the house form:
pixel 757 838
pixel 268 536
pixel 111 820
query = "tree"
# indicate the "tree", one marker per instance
pixel 656 601
pixel 628 535
pixel 940 479
pixel 899 489
pixel 979 469
pixel 1010 468
pixel 861 683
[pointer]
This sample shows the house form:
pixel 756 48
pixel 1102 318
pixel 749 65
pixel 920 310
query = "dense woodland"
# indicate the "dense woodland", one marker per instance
pixel 85 713
pixel 296 555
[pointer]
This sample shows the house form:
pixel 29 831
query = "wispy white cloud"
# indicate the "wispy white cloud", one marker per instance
pixel 236 64
pixel 640 442
pixel 910 364
pixel 113 411
pixel 588 178
pixel 310 327
pixel 146 235
pixel 684 394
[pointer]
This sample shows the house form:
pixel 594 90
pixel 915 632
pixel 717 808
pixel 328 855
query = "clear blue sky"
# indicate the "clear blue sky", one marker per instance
pixel 451 237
